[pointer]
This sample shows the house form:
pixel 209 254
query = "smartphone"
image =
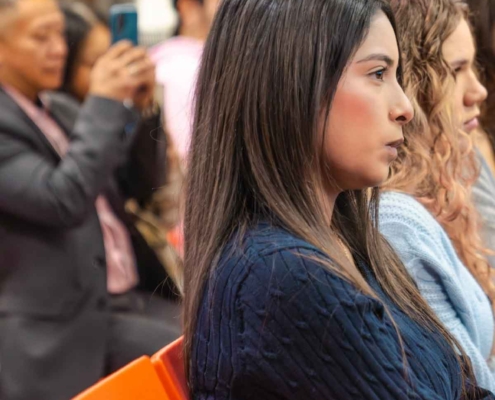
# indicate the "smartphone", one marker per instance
pixel 124 23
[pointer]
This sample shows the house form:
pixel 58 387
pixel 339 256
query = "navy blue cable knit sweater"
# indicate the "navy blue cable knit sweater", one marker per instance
pixel 275 325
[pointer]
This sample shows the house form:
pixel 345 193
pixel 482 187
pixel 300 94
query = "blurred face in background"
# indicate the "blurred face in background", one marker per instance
pixel 459 52
pixel 33 49
pixel 210 9
pixel 196 17
pixel 96 44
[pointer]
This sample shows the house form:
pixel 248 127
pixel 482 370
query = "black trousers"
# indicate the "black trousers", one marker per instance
pixel 55 359
pixel 140 325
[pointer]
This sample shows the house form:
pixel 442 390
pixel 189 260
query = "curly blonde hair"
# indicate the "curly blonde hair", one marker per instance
pixel 437 165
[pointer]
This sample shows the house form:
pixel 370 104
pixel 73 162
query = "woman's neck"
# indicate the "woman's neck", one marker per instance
pixel 193 32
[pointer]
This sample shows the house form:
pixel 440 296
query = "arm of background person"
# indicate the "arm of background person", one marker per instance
pixel 34 189
pixel 484 201
pixel 433 289
pixel 145 170
pixel 426 262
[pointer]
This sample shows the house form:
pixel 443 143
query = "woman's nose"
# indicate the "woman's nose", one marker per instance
pixel 476 93
pixel 403 111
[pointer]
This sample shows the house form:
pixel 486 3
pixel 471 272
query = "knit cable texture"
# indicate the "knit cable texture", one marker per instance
pixel 274 324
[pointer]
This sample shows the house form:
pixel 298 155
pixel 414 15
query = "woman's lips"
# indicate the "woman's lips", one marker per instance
pixel 471 125
pixel 392 151
pixel 393 146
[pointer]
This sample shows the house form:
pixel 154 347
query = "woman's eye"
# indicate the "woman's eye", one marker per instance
pixel 380 74
pixel 456 71
pixel 41 37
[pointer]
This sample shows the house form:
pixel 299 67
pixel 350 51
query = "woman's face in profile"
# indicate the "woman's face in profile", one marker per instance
pixel 368 112
pixel 459 52
pixel 94 46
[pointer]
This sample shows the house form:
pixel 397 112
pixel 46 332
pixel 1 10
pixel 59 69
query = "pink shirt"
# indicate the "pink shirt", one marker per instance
pixel 121 267
pixel 177 61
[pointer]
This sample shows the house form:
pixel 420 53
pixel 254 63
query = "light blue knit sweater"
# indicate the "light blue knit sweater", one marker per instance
pixel 445 283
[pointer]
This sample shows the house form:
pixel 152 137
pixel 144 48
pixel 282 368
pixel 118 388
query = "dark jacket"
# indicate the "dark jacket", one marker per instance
pixel 142 171
pixel 52 256
pixel 54 306
pixel 55 315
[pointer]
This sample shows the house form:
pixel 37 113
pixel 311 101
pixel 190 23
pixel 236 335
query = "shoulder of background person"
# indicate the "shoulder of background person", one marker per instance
pixel 485 182
pixel 10 112
pixel 64 108
pixel 423 245
pixel 403 209
pixel 17 125
pixel 415 234
pixel 484 150
pixel 177 45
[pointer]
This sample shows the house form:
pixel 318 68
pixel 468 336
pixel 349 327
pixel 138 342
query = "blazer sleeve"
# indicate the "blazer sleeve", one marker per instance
pixel 34 189
pixel 308 334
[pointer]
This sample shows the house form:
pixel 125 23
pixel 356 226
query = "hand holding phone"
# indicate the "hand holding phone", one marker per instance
pixel 124 23
pixel 124 73
pixel 135 61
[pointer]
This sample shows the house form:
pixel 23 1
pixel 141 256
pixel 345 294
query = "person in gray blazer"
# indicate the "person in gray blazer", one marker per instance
pixel 57 333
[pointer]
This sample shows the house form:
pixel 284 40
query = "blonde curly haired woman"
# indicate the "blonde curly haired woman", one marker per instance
pixel 426 212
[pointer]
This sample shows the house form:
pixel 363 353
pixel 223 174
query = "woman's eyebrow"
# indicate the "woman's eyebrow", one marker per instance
pixel 378 57
pixel 459 63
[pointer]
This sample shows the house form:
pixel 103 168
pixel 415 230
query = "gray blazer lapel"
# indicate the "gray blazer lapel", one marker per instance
pixel 10 111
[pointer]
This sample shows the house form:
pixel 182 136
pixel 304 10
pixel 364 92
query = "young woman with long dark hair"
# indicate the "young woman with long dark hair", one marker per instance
pixel 290 291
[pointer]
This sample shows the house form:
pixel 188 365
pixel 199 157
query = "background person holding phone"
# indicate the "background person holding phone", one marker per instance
pixel 63 249
pixel 144 172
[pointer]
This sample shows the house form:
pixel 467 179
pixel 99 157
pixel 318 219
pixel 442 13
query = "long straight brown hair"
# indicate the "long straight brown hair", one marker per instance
pixel 270 69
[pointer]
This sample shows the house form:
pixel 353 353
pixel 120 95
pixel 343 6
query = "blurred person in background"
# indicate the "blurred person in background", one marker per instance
pixel 177 61
pixel 483 18
pixel 144 173
pixel 65 256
